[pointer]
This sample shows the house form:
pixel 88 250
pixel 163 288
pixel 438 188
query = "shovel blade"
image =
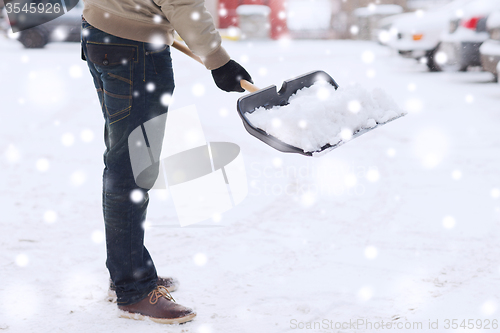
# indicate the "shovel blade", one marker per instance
pixel 269 97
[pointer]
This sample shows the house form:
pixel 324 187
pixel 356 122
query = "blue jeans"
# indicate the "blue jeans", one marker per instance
pixel 130 78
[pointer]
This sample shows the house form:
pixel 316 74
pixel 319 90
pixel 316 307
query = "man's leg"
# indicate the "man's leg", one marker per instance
pixel 122 70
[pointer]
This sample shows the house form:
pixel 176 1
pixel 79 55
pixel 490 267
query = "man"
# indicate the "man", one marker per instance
pixel 125 43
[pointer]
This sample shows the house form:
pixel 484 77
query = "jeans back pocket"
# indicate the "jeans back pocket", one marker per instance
pixel 115 65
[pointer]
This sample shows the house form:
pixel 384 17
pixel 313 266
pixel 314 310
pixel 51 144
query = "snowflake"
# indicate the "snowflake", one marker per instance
pixel 365 293
pixel 42 164
pixel 150 87
pixel 223 12
pixel 75 71
pixel 373 175
pixel 137 196
pixel 22 260
pixel 346 134
pixel 59 34
pixel 277 162
pixel 441 58
pixel 195 16
pixel 78 178
pixel 12 154
pixel 489 307
pixel 276 122
pixel 223 112
pixel 371 252
pixel 146 225
pixel 157 40
pixel 449 222
pixel 50 216
pixel 97 236
pixel 244 58
pixel 166 99
pixel 420 13
pixel 200 259
pixel 384 36
pixel 354 106
pixel 67 139
pixel 198 89
pixel 87 135
pixel 308 199
pixel 456 174
pixel 204 328
pixel 368 57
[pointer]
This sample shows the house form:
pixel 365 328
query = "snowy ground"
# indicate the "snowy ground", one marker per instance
pixel 399 225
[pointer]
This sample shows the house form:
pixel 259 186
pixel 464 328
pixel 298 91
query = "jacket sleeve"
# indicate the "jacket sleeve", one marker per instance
pixel 196 26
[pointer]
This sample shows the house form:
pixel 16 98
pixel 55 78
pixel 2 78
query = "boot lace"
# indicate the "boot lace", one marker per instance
pixel 160 291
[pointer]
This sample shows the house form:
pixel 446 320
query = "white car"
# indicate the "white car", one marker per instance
pixel 459 46
pixel 417 35
pixel 490 50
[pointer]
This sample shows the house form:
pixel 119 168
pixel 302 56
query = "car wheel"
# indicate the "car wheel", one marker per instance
pixel 33 38
pixel 431 63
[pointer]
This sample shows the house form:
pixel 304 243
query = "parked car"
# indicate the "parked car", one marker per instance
pixel 467 31
pixel 417 35
pixel 367 18
pixel 384 29
pixel 66 27
pixel 490 50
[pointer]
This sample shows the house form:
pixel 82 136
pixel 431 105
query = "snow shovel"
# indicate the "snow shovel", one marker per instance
pixel 269 97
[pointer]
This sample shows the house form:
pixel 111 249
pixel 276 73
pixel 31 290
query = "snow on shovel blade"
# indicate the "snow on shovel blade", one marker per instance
pixel 269 97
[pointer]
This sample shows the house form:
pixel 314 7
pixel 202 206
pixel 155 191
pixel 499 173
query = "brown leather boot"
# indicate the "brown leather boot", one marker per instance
pixel 170 283
pixel 160 307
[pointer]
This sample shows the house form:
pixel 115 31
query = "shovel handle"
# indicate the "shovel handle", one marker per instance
pixel 248 86
pixel 184 49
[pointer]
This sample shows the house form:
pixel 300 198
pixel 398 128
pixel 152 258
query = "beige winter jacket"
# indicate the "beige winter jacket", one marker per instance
pixel 156 20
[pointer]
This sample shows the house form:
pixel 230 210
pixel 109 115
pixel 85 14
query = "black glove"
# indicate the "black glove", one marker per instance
pixel 228 77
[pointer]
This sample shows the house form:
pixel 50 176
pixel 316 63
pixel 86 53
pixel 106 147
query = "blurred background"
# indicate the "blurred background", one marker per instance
pixel 443 34
pixel 400 224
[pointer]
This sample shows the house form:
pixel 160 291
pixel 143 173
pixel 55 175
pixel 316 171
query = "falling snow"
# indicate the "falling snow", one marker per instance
pixel 200 259
pixel 402 223
pixel 137 196
pixel 67 139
